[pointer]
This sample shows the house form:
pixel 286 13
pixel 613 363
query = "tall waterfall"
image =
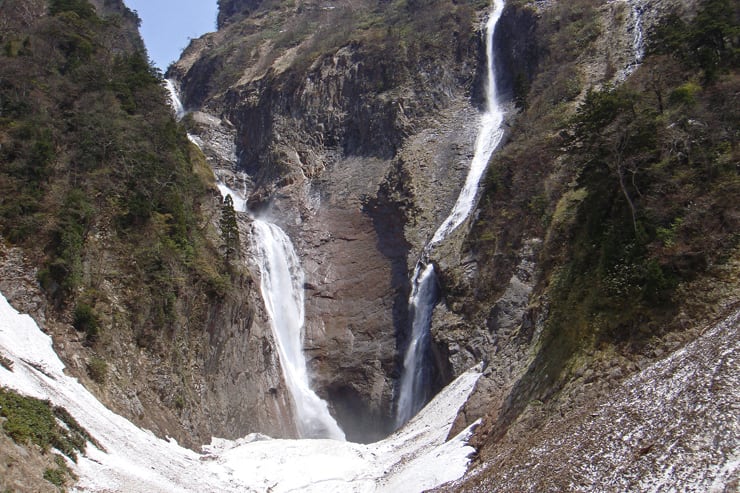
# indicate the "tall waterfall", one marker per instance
pixel 282 290
pixel 414 386
pixel 489 136
pixel 638 39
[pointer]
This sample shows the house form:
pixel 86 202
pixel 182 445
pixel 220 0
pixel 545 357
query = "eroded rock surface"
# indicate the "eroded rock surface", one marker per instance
pixel 357 156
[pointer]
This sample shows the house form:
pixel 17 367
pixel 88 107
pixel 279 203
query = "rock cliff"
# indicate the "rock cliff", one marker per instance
pixel 355 125
pixel 337 140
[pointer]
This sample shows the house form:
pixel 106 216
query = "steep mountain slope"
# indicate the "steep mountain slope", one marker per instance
pixel 604 230
pixel 109 209
pixel 605 238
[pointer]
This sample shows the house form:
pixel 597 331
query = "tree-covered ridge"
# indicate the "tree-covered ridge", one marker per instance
pixel 89 149
pixel 658 158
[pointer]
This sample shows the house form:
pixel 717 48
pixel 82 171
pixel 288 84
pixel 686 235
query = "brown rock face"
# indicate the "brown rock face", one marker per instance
pixel 243 385
pixel 355 263
pixel 231 8
pixel 350 341
pixel 357 148
pixel 220 380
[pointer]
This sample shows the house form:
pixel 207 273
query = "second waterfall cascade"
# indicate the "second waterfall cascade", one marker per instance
pixel 414 388
pixel 281 284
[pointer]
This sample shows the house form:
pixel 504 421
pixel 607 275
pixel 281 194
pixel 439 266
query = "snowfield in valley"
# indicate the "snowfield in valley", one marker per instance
pixel 415 458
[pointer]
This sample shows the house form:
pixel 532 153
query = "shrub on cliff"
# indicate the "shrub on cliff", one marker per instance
pixel 33 421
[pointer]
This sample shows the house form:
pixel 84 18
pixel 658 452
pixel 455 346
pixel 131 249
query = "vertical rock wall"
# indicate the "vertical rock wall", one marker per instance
pixel 358 153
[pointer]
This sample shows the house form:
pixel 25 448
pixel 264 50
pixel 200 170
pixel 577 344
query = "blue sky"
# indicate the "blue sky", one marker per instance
pixel 168 25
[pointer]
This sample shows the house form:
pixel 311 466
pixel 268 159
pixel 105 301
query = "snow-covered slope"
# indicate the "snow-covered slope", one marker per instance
pixel 415 458
pixel 672 427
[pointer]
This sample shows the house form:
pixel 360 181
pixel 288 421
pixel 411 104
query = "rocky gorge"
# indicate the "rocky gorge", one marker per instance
pixel 603 242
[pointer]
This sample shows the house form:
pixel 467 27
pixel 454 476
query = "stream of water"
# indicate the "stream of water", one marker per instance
pixel 281 284
pixel 175 101
pixel 414 388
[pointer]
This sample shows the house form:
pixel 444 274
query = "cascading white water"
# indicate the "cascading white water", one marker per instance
pixel 414 386
pixel 638 42
pixel 169 84
pixel 239 200
pixel 638 39
pixel 489 136
pixel 282 290
pixel 179 109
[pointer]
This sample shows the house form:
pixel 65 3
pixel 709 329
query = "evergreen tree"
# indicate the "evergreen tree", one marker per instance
pixel 229 228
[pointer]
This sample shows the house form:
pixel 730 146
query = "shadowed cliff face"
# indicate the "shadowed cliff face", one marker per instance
pixel 356 134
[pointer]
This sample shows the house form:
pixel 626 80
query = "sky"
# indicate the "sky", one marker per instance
pixel 168 25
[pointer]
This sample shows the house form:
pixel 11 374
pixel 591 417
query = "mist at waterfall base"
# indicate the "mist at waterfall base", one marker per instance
pixel 414 388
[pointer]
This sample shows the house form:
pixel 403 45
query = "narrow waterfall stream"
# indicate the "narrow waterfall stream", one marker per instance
pixel 638 39
pixel 175 101
pixel 281 284
pixel 489 136
pixel 414 387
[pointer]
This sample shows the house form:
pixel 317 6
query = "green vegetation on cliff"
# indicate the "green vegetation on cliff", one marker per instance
pixel 635 192
pixel 97 180
pixel 32 421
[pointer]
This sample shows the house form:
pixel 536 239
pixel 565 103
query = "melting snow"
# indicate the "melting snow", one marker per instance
pixel 415 458
pixel 674 426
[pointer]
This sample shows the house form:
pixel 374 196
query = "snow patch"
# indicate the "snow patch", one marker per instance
pixel 415 458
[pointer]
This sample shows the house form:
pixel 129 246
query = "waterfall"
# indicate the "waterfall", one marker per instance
pixel 239 199
pixel 638 41
pixel 415 377
pixel 414 387
pixel 169 84
pixel 282 290
pixel 489 136
pixel 281 283
pixel 179 109
pixel 635 27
